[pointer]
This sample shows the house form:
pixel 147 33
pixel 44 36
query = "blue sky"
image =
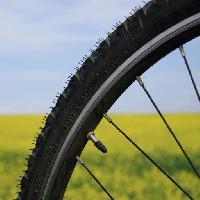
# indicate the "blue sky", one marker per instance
pixel 41 42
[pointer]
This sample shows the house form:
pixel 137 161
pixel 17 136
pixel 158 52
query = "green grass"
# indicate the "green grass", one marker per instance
pixel 124 171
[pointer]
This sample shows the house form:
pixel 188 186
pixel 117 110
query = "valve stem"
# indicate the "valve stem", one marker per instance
pixel 97 143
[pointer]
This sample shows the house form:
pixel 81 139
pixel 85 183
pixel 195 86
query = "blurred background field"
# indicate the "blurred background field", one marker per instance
pixel 124 171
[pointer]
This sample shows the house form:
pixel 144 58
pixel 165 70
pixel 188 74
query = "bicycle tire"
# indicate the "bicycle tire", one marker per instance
pixel 51 163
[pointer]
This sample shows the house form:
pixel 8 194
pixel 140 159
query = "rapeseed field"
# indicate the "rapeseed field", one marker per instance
pixel 123 170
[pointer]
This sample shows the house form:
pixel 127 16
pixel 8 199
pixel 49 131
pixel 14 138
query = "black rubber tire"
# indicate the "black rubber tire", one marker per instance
pixel 148 22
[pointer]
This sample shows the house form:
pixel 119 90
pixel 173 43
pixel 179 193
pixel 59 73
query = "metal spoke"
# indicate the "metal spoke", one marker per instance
pixel 146 155
pixel 93 176
pixel 183 54
pixel 168 127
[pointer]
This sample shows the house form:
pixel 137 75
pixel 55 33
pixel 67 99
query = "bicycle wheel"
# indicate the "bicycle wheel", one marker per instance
pixel 144 38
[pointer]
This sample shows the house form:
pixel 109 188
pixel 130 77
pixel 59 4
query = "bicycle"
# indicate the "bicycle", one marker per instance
pixel 145 37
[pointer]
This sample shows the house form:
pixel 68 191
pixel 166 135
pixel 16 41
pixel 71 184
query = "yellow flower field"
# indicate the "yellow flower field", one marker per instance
pixel 123 170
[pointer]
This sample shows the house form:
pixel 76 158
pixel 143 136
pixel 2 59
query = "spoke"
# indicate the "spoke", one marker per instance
pixel 146 155
pixel 168 127
pixel 93 176
pixel 183 54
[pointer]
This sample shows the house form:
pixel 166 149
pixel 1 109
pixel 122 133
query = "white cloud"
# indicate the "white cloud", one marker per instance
pixel 29 25
pixel 34 107
pixel 18 35
pixel 27 76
